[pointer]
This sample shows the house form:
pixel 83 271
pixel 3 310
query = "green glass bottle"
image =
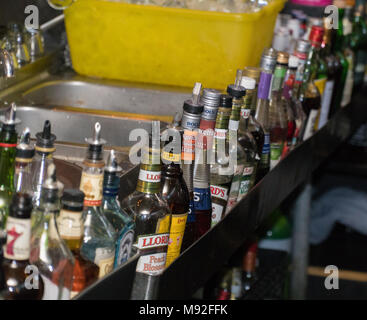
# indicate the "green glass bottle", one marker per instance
pixel 8 143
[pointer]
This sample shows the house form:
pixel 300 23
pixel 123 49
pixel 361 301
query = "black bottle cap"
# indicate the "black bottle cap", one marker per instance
pixel 236 91
pixel 95 144
pixel 225 101
pixel 21 206
pixel 73 195
pixel 45 139
pixel 190 107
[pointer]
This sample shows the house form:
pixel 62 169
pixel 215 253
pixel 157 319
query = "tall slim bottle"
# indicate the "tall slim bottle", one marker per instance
pixel 49 252
pixel 42 160
pixel 17 252
pixel 8 143
pixel 268 61
pixel 99 236
pixel 122 223
pixel 152 217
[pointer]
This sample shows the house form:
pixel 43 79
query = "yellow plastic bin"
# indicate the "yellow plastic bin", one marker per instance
pixel 169 46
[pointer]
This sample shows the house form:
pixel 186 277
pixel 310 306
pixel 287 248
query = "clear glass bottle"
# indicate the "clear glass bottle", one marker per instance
pixel 23 164
pixel 71 228
pixel 42 160
pixel 99 236
pixel 122 223
pixel 49 252
pixel 8 143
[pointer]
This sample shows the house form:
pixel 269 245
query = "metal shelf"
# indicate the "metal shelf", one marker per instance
pixel 207 255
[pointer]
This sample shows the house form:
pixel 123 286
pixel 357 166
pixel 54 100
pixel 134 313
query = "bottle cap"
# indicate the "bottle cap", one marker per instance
pixel 225 101
pixel 252 72
pixel 73 195
pixel 316 35
pixel 45 139
pixel 194 105
pixel 282 57
pixel 112 165
pixel 51 188
pixel 303 46
pixel 210 97
pixel 248 83
pixel 293 61
pixel 24 148
pixel 236 90
pixel 268 59
pixel 10 116
pixel 95 144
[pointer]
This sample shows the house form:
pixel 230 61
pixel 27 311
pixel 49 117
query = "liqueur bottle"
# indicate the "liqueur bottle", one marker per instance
pixel 152 217
pixel 249 268
pixel 16 266
pixel 121 222
pixel 23 160
pixel 310 96
pixel 42 160
pixel 175 192
pixel 191 119
pixel 99 236
pixel 220 171
pixel 49 252
pixel 70 226
pixel 277 118
pixel 268 61
pixel 8 143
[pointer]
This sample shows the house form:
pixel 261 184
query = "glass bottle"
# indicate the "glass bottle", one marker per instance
pixel 49 252
pixel 268 61
pixel 310 96
pixel 42 160
pixel 16 266
pixel 8 143
pixel 18 44
pixel 302 49
pixel 152 217
pixel 249 268
pixel 122 224
pixel 277 118
pixel 71 229
pixel 99 236
pixel 220 171
pixel 23 167
pixel 175 192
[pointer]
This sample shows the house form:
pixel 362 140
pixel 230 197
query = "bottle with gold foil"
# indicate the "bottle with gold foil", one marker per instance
pixel 8 143
pixel 99 237
pixel 175 192
pixel 71 229
pixel 152 217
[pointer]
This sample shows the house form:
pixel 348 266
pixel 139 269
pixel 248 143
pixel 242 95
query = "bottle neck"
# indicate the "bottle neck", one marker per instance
pixel 149 180
pixel 111 185
pixel 221 124
pixel 8 143
pixel 91 183
pixel 246 110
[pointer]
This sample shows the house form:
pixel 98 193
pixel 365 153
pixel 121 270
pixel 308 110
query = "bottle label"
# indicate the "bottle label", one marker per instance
pixel 202 199
pixel 7 145
pixel 233 192
pixel 326 101
pixel 152 241
pixel 264 86
pixel 219 192
pixel 152 264
pixel 217 213
pixel 233 125
pixel 70 224
pixel 309 131
pixel 171 157
pixel 275 154
pixel 245 182
pixel 245 113
pixel 18 239
pixel 123 245
pixel 188 145
pixel 266 150
pixel 178 223
pixel 191 215
pixel 220 133
pixel 92 185
pixel 279 75
pixel 104 260
pixel 163 224
pixel 149 176
pixel 348 87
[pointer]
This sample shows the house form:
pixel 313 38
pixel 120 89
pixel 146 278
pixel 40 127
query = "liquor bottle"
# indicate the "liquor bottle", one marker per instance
pixel 191 119
pixel 49 252
pixel 23 159
pixel 8 143
pixel 152 217
pixel 348 52
pixel 99 236
pixel 254 126
pixel 249 268
pixel 247 141
pixel 310 96
pixel 268 61
pixel 70 226
pixel 359 43
pixel 220 171
pixel 224 292
pixel 236 151
pixel 277 118
pixel 42 160
pixel 175 192
pixel 302 49
pixel 121 222
pixel 16 266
